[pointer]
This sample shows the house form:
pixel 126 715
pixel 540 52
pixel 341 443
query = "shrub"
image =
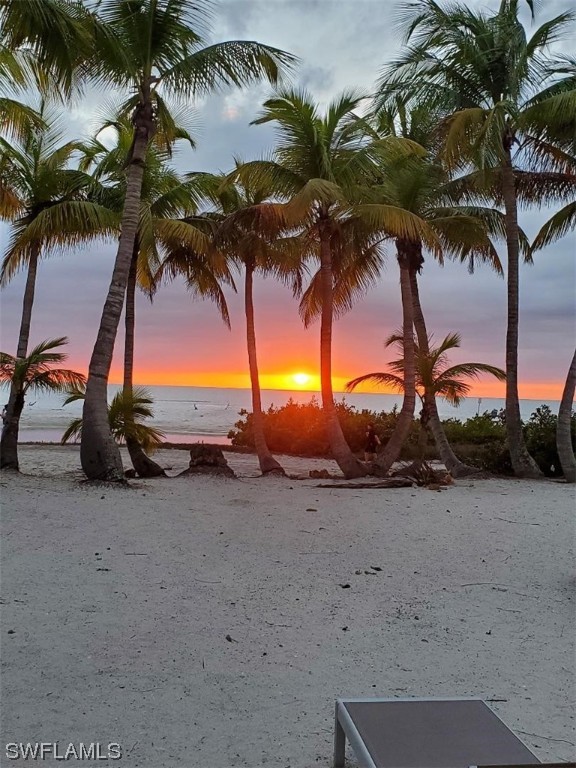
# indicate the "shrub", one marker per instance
pixel 540 435
pixel 298 429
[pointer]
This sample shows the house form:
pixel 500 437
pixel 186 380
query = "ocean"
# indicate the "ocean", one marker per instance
pixel 192 414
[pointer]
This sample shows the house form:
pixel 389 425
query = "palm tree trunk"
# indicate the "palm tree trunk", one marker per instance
pixel 10 433
pixel 394 445
pixel 11 427
pixel 564 428
pixel 28 302
pixel 267 462
pixel 522 463
pixel 143 464
pixel 452 463
pixel 99 454
pixel 340 449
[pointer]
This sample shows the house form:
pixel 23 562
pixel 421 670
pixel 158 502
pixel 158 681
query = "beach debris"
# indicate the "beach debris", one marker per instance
pixel 375 567
pixel 344 629
pixel 230 639
pixel 425 475
pixel 322 474
pixel 11 631
pixel 311 509
pixel 391 482
pixel 207 460
pixel 358 572
pixel 344 586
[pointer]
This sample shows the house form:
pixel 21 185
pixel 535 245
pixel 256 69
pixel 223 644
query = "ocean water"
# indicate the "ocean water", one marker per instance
pixel 190 414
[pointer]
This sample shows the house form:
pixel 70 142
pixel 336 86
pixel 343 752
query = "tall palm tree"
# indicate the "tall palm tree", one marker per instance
pixel 250 230
pixel 434 378
pixel 153 48
pixel 36 373
pixel 49 206
pixel 165 197
pixel 323 165
pixel 422 185
pixel 559 224
pixel 502 90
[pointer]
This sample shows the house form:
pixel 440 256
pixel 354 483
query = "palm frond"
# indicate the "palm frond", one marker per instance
pixel 556 227
pixel 381 378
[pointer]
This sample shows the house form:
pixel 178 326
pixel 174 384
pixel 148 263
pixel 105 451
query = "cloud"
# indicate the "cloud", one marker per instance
pixel 340 45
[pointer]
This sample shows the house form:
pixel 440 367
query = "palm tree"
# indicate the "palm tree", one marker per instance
pixel 16 119
pixel 422 185
pixel 559 224
pixel 564 428
pixel 500 87
pixel 323 166
pixel 47 40
pixel 165 197
pixel 48 206
pixel 36 373
pixel 153 48
pixel 126 414
pixel 434 378
pixel 250 231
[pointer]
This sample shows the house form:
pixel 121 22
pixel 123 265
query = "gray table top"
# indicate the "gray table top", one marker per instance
pixel 435 734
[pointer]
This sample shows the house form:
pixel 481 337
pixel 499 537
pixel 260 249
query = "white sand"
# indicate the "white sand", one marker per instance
pixel 475 597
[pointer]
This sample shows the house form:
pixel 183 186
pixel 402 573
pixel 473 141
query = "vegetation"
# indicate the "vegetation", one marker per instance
pixel 297 429
pixel 36 372
pixel 474 120
pixel 126 415
pixel 500 91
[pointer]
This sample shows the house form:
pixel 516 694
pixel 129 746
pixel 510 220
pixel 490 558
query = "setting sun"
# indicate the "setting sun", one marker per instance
pixel 301 379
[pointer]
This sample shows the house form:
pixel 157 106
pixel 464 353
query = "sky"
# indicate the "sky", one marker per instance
pixel 182 341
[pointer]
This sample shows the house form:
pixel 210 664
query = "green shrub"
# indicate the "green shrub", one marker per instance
pixel 298 429
pixel 540 436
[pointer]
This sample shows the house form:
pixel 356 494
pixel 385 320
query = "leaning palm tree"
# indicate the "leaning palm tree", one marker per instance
pixel 323 166
pixel 34 373
pixel 153 48
pixel 564 428
pixel 559 224
pixel 502 91
pixel 164 198
pixel 49 207
pixel 434 377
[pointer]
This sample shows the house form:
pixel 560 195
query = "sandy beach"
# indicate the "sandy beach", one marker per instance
pixel 209 622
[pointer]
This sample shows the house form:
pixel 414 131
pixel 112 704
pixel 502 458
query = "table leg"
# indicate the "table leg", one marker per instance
pixel 339 743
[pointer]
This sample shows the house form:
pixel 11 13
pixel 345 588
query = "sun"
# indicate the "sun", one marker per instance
pixel 300 378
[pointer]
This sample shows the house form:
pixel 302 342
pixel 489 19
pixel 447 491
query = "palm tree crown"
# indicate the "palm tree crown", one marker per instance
pixel 432 371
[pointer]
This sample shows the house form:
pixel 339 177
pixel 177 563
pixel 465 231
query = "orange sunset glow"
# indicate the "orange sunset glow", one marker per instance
pixel 299 380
